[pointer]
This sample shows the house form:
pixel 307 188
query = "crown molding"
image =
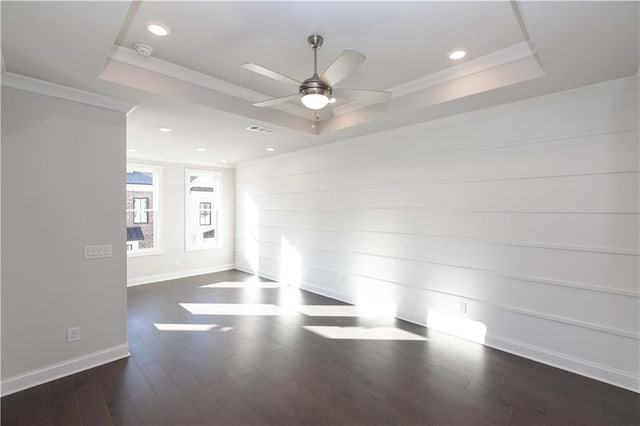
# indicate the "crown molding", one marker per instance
pixel 169 160
pixel 47 88
pixel 492 60
pixel 169 69
pixel 473 66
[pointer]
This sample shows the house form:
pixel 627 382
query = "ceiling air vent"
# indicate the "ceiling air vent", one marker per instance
pixel 260 129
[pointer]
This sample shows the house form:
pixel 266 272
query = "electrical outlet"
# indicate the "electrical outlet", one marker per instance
pixel 73 334
pixel 462 308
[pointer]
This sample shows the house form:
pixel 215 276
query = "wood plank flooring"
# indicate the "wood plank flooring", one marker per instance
pixel 253 362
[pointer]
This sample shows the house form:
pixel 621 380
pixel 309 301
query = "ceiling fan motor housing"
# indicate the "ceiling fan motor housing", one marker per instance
pixel 315 86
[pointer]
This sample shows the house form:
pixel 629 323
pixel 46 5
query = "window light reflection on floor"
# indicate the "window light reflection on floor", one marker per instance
pixel 363 333
pixel 290 303
pixel 185 327
pixel 376 308
pixel 347 311
pixel 257 309
pixel 243 284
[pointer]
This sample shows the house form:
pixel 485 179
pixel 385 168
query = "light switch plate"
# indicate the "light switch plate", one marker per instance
pixel 95 252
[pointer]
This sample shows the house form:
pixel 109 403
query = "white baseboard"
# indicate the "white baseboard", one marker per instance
pixel 565 362
pixel 65 368
pixel 179 274
pixel 246 269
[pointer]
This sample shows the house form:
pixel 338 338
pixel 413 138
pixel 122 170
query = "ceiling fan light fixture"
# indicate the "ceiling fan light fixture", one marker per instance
pixel 314 101
pixel 314 93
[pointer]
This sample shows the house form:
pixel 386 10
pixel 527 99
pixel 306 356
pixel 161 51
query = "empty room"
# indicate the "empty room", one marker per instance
pixel 320 213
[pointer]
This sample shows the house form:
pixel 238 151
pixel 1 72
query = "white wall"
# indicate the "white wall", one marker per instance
pixel 527 212
pixel 63 184
pixel 175 261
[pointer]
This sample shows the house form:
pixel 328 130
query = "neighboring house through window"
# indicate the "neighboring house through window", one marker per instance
pixel 201 201
pixel 143 204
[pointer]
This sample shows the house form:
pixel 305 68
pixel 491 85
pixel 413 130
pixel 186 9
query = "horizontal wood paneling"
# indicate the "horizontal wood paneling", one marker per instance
pixel 571 115
pixel 561 193
pixel 600 153
pixel 611 272
pixel 528 212
pixel 615 310
pixel 603 231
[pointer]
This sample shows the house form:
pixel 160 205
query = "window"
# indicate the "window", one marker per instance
pixel 143 206
pixel 140 210
pixel 205 214
pixel 201 213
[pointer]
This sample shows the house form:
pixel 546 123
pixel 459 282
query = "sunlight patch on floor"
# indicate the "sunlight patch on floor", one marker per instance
pixel 185 327
pixel 363 333
pixel 242 284
pixel 257 309
pixel 345 311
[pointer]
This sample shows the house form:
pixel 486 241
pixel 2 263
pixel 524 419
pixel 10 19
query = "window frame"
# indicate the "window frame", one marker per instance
pixel 214 211
pixel 156 171
pixel 143 210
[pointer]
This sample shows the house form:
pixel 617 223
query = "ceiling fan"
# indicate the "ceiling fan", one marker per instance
pixel 317 91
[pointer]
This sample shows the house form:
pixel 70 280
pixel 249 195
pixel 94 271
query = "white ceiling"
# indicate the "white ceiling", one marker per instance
pixel 194 83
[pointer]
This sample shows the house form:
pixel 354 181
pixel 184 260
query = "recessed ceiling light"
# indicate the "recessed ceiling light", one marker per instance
pixel 158 28
pixel 201 148
pixel 271 149
pixel 223 161
pixel 456 54
pixel 164 129
pixel 131 150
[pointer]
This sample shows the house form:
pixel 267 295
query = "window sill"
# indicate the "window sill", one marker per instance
pixel 216 246
pixel 141 253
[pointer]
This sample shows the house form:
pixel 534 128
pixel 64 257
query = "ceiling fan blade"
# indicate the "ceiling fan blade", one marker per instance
pixel 343 65
pixel 271 74
pixel 276 101
pixel 375 96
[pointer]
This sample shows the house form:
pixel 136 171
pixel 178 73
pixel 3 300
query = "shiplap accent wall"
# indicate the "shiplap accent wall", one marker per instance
pixel 528 212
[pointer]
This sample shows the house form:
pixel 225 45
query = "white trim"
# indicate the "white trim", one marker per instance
pixel 243 268
pixel 131 57
pixel 55 90
pixel 500 57
pixel 579 366
pixel 149 279
pixel 164 160
pixel 65 368
pixel 495 59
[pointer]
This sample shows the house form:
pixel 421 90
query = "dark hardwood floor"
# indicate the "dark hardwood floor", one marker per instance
pixel 251 361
